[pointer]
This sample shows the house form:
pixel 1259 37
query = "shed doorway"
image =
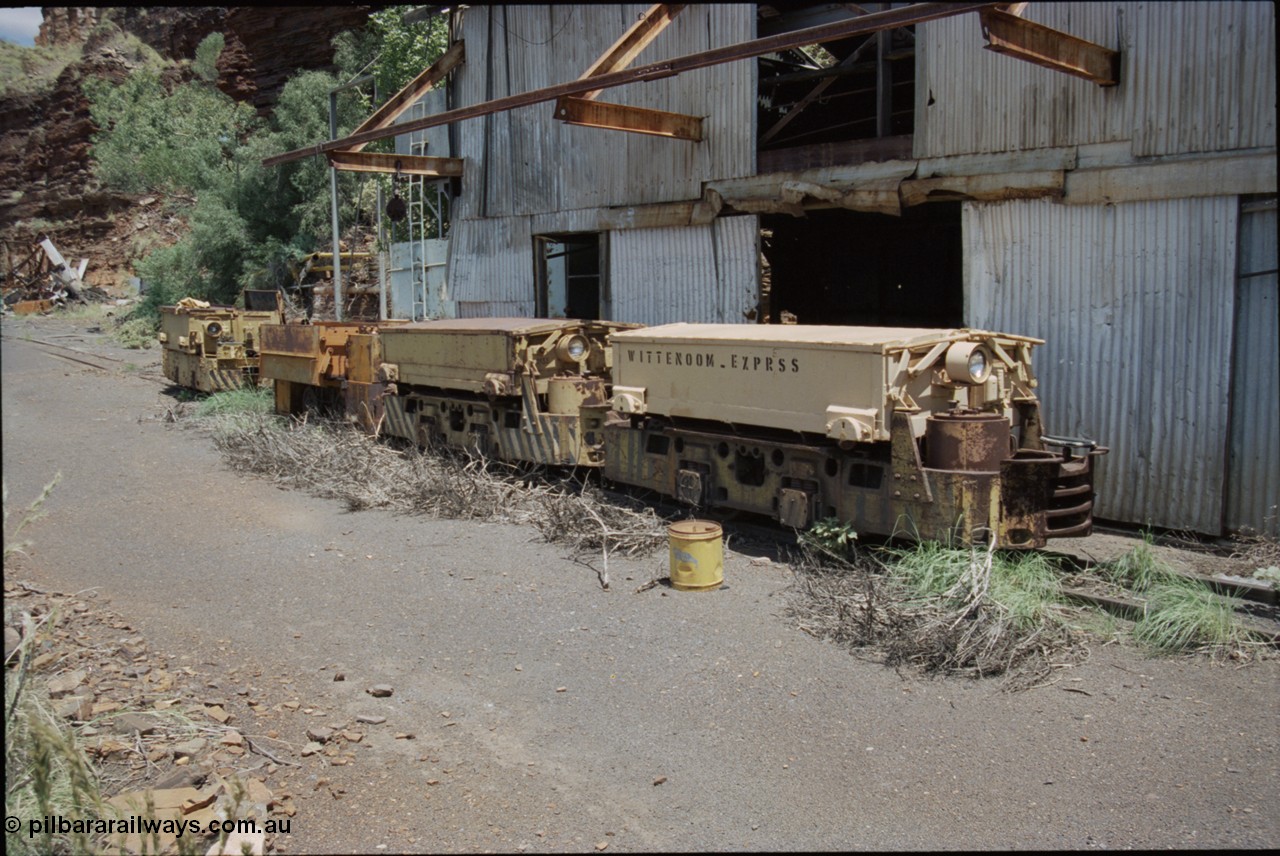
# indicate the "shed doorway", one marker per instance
pixel 834 266
pixel 570 276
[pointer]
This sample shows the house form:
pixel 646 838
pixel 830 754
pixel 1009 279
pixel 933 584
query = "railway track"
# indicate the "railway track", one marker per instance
pixel 85 358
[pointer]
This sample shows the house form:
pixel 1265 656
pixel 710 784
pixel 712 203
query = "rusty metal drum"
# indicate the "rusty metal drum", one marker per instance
pixel 967 440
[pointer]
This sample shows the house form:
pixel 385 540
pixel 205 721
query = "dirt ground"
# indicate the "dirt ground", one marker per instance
pixel 534 712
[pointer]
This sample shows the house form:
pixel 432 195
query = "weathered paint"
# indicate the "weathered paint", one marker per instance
pixel 1135 302
pixel 197 357
pixel 839 382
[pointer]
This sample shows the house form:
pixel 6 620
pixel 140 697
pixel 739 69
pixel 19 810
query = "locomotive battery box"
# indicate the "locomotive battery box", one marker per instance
pixel 325 363
pixel 843 383
pixel 533 390
pixel 495 355
pixel 213 348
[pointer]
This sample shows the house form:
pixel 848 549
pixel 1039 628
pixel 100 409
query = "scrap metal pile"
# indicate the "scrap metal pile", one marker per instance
pixel 43 281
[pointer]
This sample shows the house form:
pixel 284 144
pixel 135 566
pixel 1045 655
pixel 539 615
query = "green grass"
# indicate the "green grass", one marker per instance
pixel 1181 613
pixel 33 70
pixel 136 333
pixel 237 411
pixel 1186 615
pixel 236 401
pixel 1140 569
pixel 1025 587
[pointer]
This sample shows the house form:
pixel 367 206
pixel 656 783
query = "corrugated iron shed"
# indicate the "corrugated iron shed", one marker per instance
pixel 1136 304
pixel 1195 77
pixel 524 161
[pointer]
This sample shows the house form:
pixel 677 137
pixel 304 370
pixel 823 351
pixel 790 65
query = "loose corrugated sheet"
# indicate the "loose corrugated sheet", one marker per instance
pixel 1194 77
pixel 491 267
pixel 1135 302
pixel 525 161
pixel 693 273
pixel 1253 484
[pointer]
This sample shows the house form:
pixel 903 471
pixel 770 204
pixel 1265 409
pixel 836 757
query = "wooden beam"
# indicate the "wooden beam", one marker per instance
pixel 397 104
pixel 1017 37
pixel 423 165
pixel 619 117
pixel 917 13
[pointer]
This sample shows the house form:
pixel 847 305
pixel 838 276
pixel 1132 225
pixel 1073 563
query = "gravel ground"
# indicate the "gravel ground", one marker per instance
pixel 549 715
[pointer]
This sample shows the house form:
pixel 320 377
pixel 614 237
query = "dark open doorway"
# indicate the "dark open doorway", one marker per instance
pixel 570 276
pixel 846 267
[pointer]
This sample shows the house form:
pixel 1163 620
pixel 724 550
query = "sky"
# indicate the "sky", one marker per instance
pixel 19 24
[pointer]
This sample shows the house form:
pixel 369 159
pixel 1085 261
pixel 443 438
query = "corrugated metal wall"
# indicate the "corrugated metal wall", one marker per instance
pixel 491 267
pixel 1195 77
pixel 524 161
pixel 1136 304
pixel 695 273
pixel 1253 484
pixel 528 174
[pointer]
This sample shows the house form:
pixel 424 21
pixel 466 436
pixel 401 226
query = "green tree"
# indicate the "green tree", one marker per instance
pixel 204 152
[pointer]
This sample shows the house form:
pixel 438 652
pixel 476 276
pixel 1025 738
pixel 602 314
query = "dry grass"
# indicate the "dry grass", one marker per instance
pixel 335 460
pixel 941 611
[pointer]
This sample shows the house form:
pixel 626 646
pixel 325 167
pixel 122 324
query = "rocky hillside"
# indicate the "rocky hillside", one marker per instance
pixel 46 178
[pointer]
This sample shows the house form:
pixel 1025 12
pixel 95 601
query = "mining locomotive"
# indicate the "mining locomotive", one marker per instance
pixel 924 434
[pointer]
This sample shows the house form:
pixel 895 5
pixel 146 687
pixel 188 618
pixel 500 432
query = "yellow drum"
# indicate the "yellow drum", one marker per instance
pixel 697 555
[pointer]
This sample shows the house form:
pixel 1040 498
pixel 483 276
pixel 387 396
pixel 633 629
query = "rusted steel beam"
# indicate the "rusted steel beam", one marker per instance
pixel 619 117
pixel 1053 49
pixel 405 98
pixel 424 165
pixel 917 13
pixel 584 110
pixel 630 45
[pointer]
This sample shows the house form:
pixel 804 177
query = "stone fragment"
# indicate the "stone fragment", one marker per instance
pixel 12 639
pixel 380 690
pixel 187 748
pixel 134 722
pixel 77 708
pixel 217 714
pixel 369 719
pixel 63 684
pixel 320 733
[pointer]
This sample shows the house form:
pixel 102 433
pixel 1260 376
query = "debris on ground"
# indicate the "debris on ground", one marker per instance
pixel 148 741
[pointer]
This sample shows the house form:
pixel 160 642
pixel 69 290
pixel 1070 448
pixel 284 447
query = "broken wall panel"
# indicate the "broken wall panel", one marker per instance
pixel 701 274
pixel 1135 302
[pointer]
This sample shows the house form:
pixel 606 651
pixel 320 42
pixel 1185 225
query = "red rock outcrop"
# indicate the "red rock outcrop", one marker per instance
pixel 46 178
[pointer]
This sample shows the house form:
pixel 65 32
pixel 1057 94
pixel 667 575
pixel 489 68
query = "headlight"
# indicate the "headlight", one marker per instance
pixel 573 348
pixel 968 362
pixel 214 329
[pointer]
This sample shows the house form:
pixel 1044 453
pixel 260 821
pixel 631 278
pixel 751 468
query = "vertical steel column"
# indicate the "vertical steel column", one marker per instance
pixel 333 204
